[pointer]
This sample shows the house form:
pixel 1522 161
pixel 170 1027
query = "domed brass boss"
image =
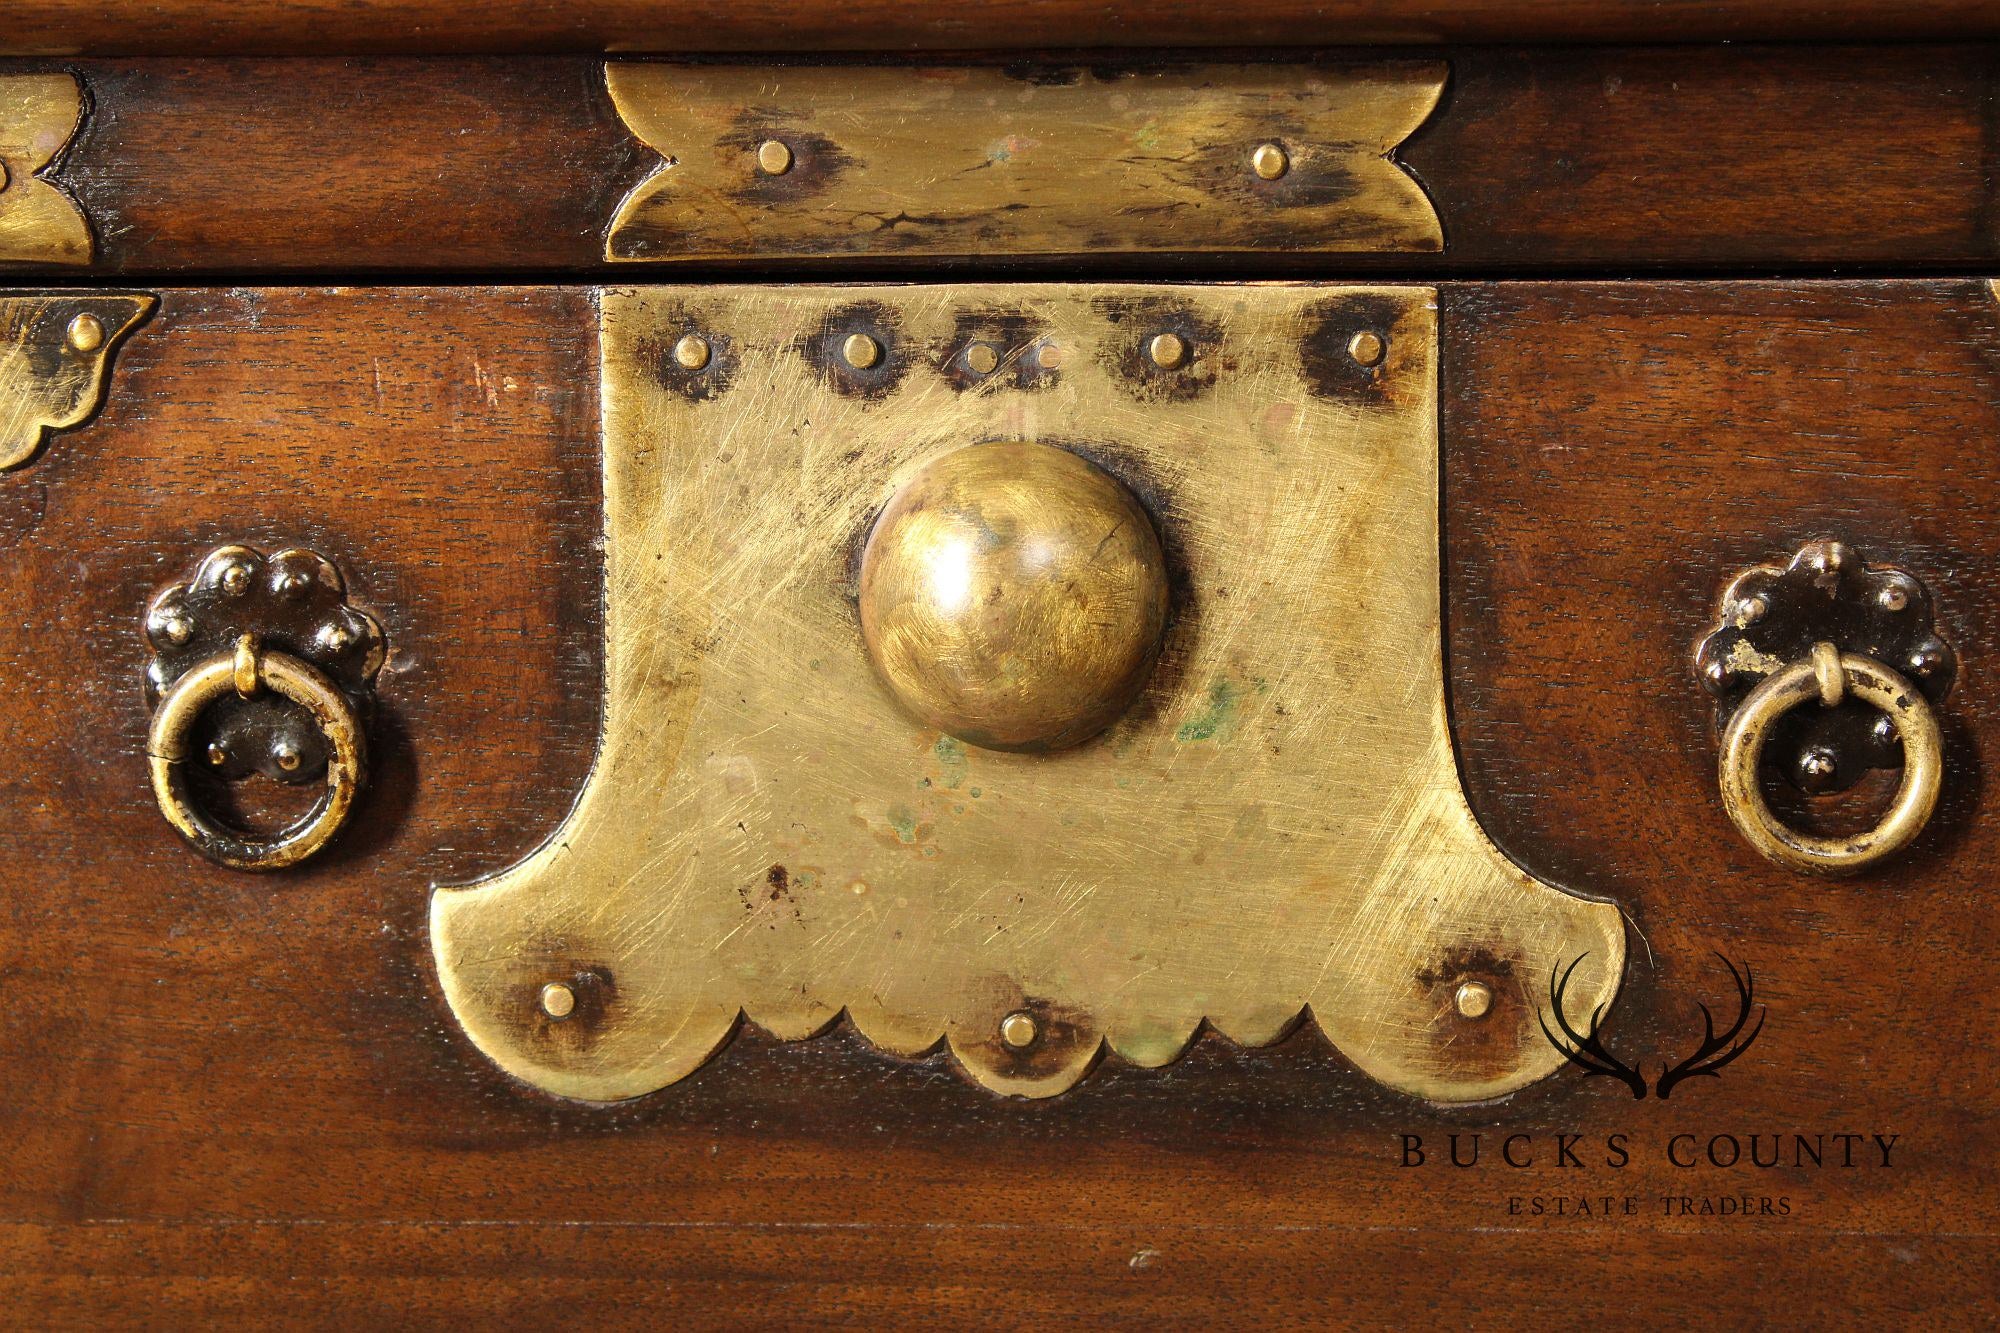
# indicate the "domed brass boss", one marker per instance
pixel 1014 596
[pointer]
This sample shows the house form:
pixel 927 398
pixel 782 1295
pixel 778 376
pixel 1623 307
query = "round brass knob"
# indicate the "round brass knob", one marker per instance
pixel 1825 678
pixel 1014 596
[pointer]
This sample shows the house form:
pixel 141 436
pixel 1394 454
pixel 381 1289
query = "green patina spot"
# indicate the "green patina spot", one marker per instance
pixel 952 759
pixel 1217 716
pixel 904 821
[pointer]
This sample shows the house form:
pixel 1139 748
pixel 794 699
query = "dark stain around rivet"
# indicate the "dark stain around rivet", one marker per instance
pixel 1135 321
pixel 822 350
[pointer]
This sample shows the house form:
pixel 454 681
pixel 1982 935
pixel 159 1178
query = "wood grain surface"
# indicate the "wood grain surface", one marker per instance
pixel 230 1095
pixel 183 27
pixel 1551 159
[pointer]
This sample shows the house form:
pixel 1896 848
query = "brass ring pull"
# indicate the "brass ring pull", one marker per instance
pixel 1826 677
pixel 245 671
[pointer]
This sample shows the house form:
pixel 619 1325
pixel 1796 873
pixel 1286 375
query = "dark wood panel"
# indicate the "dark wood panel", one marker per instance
pixel 1173 1273
pixel 1537 159
pixel 180 27
pixel 230 1093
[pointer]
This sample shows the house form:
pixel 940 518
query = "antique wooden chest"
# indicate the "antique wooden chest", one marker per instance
pixel 799 664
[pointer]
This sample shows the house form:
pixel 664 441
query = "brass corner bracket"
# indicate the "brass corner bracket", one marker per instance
pixel 823 162
pixel 55 356
pixel 39 224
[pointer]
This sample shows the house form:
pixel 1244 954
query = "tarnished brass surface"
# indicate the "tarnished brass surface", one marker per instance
pixel 217 678
pixel 1274 823
pixel 260 666
pixel 1823 680
pixel 1827 593
pixel 39 224
pixel 805 161
pixel 1013 596
pixel 54 350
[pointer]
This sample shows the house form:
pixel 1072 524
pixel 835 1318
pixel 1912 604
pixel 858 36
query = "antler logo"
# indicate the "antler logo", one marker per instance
pixel 1588 1052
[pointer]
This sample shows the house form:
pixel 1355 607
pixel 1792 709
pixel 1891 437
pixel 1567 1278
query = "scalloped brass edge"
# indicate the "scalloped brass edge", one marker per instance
pixel 39 224
pixel 810 162
pixel 55 356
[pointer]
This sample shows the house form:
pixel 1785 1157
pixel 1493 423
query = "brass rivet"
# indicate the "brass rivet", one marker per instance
pixel 294 585
pixel 287 755
pixel 1019 1030
pixel 981 359
pixel 860 351
pixel 1167 350
pixel 1894 597
pixel 1050 356
pixel 691 352
pixel 1751 610
pixel 177 629
pixel 1818 764
pixel 558 1000
pixel 236 580
pixel 1367 347
pixel 334 638
pixel 1475 999
pixel 86 333
pixel 773 158
pixel 217 755
pixel 1269 161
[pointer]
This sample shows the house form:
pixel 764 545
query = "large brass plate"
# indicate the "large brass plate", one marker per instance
pixel 1275 826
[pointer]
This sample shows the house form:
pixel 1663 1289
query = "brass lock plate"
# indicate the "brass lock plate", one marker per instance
pixel 1274 825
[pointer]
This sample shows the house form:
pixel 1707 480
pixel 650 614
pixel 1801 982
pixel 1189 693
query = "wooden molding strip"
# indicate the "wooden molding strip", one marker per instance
pixel 296 27
pixel 1546 159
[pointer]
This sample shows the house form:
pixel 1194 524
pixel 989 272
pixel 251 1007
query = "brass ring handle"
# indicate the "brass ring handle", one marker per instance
pixel 245 671
pixel 1826 677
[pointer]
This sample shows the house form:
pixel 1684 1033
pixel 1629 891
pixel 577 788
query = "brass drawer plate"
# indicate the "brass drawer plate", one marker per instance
pixel 1275 824
pixel 822 162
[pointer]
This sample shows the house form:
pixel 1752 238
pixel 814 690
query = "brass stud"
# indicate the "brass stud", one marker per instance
pixel 773 158
pixel 1475 999
pixel 86 333
pixel 288 756
pixel 860 351
pixel 1049 356
pixel 1895 597
pixel 1269 161
pixel 558 1000
pixel 691 352
pixel 334 638
pixel 235 579
pixel 1751 610
pixel 1168 350
pixel 981 359
pixel 1019 1030
pixel 1367 348
pixel 217 755
pixel 1818 764
pixel 176 629
pixel 294 584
